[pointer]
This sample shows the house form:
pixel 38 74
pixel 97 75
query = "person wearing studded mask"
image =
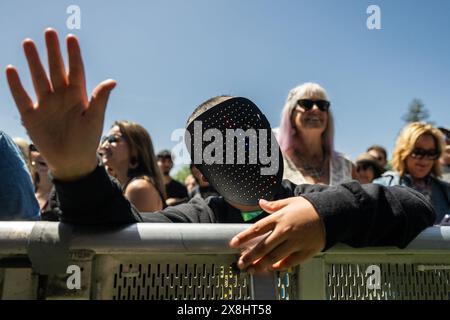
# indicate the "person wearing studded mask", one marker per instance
pixel 302 220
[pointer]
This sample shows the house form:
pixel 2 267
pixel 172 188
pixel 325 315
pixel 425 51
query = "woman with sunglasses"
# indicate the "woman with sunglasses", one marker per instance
pixel 306 139
pixel 416 164
pixel 128 155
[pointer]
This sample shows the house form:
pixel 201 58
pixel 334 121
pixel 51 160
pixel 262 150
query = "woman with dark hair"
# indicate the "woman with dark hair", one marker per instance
pixel 128 155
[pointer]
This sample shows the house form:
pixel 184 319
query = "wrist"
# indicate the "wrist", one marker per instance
pixel 74 173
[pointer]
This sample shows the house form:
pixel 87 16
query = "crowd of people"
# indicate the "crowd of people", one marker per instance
pixel 320 198
pixel 421 160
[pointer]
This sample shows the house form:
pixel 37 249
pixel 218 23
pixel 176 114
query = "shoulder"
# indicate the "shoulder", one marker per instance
pixel 143 195
pixel 11 159
pixel 444 184
pixel 340 157
pixel 389 178
pixel 341 168
pixel 140 185
pixel 3 136
pixel 290 172
pixel 8 147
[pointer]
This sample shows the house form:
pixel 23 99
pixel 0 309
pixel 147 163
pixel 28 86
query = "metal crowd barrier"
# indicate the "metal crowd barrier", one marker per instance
pixel 49 260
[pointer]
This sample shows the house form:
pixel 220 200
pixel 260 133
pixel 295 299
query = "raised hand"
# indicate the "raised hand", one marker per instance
pixel 64 123
pixel 296 233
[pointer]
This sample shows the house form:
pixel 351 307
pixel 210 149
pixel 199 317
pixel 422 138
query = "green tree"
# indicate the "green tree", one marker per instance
pixel 416 112
pixel 181 174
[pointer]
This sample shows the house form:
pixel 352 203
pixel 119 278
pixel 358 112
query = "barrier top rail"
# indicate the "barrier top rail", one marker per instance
pixel 15 237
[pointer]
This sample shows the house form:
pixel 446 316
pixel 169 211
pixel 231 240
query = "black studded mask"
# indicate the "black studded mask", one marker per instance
pixel 233 146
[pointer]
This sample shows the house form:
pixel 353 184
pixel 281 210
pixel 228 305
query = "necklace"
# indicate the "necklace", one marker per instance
pixel 314 171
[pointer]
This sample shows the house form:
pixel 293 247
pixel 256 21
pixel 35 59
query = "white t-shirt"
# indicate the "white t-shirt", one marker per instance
pixel 340 170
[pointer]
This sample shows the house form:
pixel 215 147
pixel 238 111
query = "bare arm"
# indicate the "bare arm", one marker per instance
pixel 144 196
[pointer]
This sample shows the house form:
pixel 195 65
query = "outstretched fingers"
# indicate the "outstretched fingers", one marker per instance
pixel 55 60
pixel 40 80
pixel 21 98
pixel 76 67
pixel 100 96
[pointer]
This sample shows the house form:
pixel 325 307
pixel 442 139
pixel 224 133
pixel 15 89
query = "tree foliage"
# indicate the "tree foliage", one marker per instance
pixel 416 112
pixel 181 174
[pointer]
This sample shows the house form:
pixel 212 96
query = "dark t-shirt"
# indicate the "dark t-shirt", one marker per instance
pixel 354 214
pixel 174 189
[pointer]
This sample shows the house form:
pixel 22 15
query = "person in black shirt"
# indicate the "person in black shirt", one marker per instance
pixel 175 191
pixel 302 220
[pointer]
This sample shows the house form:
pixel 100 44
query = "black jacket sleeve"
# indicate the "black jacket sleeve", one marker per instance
pixel 369 215
pixel 93 200
pixel 97 199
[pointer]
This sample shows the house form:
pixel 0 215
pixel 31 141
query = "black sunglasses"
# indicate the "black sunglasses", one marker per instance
pixel 419 153
pixel 111 138
pixel 308 104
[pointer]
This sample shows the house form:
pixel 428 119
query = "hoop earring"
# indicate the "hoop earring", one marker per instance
pixel 133 163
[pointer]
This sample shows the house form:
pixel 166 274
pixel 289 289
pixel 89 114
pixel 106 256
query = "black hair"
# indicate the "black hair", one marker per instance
pixel 208 104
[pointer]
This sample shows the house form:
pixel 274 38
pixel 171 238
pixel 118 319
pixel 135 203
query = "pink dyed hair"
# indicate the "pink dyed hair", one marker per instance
pixel 287 133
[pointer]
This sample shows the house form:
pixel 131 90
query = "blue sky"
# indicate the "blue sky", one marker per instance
pixel 168 56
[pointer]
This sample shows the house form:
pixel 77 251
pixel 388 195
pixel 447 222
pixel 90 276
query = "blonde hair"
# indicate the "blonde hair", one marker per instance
pixel 407 140
pixel 287 133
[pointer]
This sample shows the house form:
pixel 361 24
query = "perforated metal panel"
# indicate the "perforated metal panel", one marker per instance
pixel 180 281
pixel 287 285
pixel 193 277
pixel 179 277
pixel 400 281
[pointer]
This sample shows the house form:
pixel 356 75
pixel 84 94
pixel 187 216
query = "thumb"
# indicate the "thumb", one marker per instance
pixel 100 97
pixel 273 206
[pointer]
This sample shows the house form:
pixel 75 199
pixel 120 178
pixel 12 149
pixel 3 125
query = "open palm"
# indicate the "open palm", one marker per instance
pixel 64 123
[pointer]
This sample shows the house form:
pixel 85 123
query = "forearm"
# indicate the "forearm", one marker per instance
pixel 370 215
pixel 97 199
pixel 94 199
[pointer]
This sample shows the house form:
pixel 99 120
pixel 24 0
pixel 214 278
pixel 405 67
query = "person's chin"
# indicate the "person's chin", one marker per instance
pixel 110 171
pixel 316 124
pixel 422 174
